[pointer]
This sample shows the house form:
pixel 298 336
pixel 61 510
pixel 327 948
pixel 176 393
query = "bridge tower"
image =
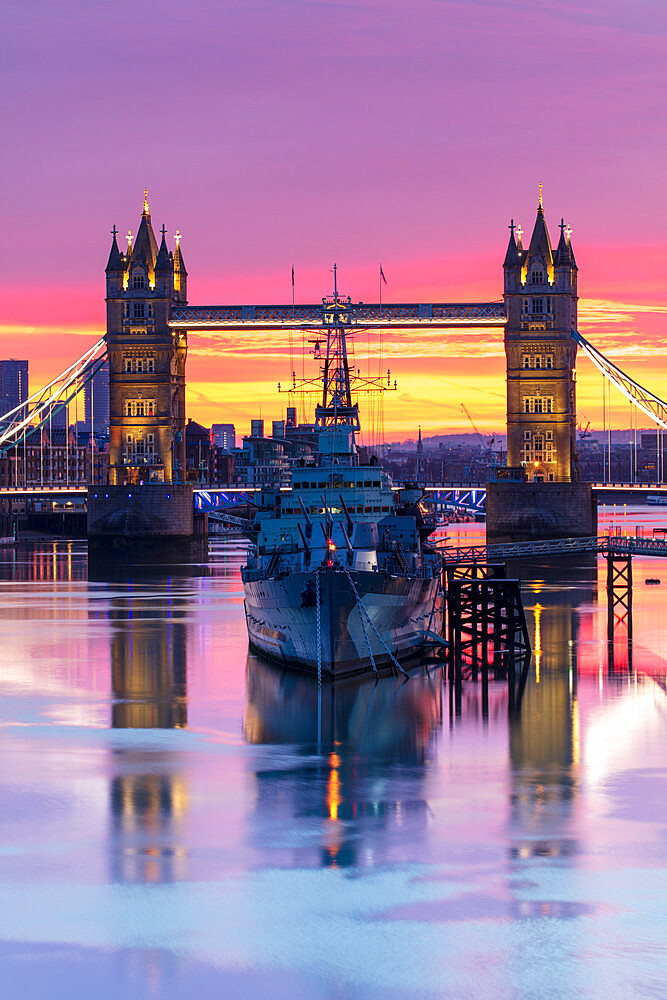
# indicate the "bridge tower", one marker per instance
pixel 146 359
pixel 541 304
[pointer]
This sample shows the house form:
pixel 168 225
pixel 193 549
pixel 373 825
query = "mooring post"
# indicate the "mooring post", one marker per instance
pixel 629 608
pixel 610 596
pixel 511 651
pixel 485 650
pixel 475 591
pixel 499 659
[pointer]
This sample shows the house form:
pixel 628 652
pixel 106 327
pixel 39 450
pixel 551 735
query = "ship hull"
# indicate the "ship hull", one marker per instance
pixel 281 615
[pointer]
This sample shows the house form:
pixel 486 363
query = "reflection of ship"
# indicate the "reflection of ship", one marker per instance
pixel 148 794
pixel 341 578
pixel 373 735
pixel 390 719
pixel 657 499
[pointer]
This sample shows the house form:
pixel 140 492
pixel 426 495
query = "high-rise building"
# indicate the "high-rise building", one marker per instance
pixel 224 436
pixel 13 384
pixel 257 428
pixel 541 303
pixel 146 359
pixel 96 401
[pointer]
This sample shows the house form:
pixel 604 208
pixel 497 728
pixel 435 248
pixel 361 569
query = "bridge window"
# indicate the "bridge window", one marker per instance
pixel 127 363
pixel 538 361
pixel 536 277
pixel 150 365
pixel 137 310
pixel 126 310
pixel 139 408
pixel 524 307
pixel 138 280
pixel 537 306
pixel 538 404
pixel 150 310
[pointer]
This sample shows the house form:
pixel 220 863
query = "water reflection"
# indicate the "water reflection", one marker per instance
pixel 544 739
pixel 149 790
pixel 372 735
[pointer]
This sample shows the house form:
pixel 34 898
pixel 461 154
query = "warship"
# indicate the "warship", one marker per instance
pixel 340 577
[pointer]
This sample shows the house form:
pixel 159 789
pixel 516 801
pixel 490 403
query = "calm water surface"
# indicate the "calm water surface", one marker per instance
pixel 170 828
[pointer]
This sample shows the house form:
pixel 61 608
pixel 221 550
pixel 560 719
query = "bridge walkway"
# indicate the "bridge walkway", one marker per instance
pixel 603 544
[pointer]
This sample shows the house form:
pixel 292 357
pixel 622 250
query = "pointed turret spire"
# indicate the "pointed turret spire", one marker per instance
pixel 145 245
pixel 562 256
pixel 512 258
pixel 179 263
pixel 180 272
pixel 573 262
pixel 115 262
pixel 540 244
pixel 163 259
pixel 164 268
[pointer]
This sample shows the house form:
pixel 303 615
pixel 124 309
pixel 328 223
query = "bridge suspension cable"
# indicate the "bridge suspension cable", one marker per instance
pixel 36 410
pixel 650 404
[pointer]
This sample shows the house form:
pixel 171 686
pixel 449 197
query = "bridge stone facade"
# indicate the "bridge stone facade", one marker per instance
pixel 541 304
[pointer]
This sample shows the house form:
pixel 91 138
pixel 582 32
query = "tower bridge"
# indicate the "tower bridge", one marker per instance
pixel 149 320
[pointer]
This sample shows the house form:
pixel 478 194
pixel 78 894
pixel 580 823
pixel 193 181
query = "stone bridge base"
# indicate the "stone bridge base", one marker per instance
pixel 119 515
pixel 517 512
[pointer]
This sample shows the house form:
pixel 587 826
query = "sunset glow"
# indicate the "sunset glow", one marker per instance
pixel 292 152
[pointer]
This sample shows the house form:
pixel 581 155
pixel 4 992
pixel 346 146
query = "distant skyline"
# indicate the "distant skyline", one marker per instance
pixel 366 132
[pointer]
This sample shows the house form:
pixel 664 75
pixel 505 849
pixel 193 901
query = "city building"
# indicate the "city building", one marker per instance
pixel 13 384
pixel 224 436
pixel 96 401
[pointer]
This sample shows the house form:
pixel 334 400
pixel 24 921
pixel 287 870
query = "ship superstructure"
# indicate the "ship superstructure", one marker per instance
pixel 341 578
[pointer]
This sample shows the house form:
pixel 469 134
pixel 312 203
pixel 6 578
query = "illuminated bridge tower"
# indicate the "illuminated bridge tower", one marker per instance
pixel 146 497
pixel 146 360
pixel 541 303
pixel 539 495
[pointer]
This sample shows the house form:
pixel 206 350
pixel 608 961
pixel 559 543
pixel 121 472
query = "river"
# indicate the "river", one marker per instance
pixel 171 828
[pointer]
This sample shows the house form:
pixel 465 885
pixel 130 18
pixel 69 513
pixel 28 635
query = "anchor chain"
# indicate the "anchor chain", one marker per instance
pixel 362 612
pixel 319 628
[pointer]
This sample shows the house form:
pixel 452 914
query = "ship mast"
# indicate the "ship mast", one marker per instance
pixel 338 379
pixel 336 406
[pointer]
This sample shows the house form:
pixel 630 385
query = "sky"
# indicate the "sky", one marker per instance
pixel 280 134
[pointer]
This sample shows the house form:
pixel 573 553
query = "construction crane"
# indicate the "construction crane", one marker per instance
pixel 584 433
pixel 486 445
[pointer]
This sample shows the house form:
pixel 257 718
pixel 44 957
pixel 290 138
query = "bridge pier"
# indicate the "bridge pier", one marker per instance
pixel 119 516
pixel 524 512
